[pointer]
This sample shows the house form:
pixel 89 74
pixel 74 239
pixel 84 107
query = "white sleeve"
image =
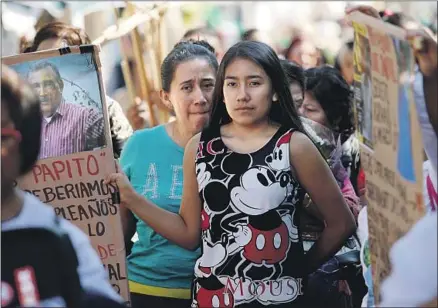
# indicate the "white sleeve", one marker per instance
pixel 413 279
pixel 91 272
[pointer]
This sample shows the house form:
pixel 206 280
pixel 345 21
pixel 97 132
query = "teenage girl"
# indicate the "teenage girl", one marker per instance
pixel 244 181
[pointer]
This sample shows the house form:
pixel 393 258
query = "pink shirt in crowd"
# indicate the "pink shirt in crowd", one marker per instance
pixel 71 129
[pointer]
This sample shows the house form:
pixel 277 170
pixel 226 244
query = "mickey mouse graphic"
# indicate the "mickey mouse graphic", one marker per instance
pixel 260 228
pixel 213 254
pixel 211 292
pixel 279 159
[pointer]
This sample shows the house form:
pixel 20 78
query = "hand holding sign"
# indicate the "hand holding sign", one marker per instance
pixel 128 195
pixel 422 41
pixel 424 45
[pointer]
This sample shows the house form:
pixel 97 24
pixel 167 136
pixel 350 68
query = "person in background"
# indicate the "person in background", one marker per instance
pixel 297 81
pixel 138 112
pixel 328 102
pixel 255 153
pixel 56 35
pixel 209 35
pixel 304 52
pixel 258 36
pixel 67 128
pixel 408 285
pixel 159 271
pixel 344 62
pixel 21 119
pixel 250 35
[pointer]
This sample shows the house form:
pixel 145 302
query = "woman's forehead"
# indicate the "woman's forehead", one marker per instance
pixel 244 67
pixel 194 67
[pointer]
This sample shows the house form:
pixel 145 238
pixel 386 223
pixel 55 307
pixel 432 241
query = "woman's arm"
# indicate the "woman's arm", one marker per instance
pixel 317 179
pixel 183 228
pixel 350 197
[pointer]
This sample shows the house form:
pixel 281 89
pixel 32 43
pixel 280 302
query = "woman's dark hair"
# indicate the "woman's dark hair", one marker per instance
pixel 283 111
pixel 58 30
pixel 24 109
pixel 294 73
pixel 333 93
pixel 182 52
pixel 349 45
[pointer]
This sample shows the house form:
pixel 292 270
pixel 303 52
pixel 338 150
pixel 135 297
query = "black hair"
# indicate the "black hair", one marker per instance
pixel 182 52
pixel 44 65
pixel 294 73
pixel 349 45
pixel 333 93
pixel 283 111
pixel 24 109
pixel 247 35
pixel 197 42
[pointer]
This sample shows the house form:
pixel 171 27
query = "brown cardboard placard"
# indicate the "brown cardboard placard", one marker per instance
pixel 70 173
pixel 391 143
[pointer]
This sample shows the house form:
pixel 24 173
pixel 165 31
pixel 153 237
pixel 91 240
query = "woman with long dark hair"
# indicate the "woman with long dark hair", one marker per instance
pixel 160 272
pixel 334 109
pixel 244 181
pixel 328 104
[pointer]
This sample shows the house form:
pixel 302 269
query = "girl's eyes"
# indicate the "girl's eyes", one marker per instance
pixel 186 88
pixel 251 84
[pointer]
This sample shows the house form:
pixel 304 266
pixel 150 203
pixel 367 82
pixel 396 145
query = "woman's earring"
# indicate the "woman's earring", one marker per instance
pixel 275 97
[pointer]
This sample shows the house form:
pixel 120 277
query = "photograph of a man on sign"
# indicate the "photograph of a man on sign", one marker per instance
pixel 69 124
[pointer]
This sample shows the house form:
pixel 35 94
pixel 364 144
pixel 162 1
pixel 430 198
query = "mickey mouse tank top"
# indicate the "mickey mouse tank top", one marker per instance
pixel 252 253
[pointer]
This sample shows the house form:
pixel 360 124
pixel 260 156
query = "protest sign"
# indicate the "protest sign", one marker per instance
pixel 76 150
pixel 388 128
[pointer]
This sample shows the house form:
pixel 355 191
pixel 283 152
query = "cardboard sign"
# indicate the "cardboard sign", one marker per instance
pixel 388 128
pixel 76 151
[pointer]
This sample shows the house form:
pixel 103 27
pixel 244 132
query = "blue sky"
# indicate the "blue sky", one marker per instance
pixel 73 67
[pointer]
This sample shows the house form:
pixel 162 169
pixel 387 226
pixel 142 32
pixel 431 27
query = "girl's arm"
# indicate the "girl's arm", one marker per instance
pixel 183 228
pixel 317 179
pixel 351 199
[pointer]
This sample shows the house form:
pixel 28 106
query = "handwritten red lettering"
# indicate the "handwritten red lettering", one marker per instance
pixel 58 167
pixel 78 165
pixel 36 171
pixel 105 252
pixel 47 172
pixel 65 169
pixel 91 159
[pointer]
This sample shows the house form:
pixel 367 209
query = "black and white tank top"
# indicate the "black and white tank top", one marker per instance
pixel 252 253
